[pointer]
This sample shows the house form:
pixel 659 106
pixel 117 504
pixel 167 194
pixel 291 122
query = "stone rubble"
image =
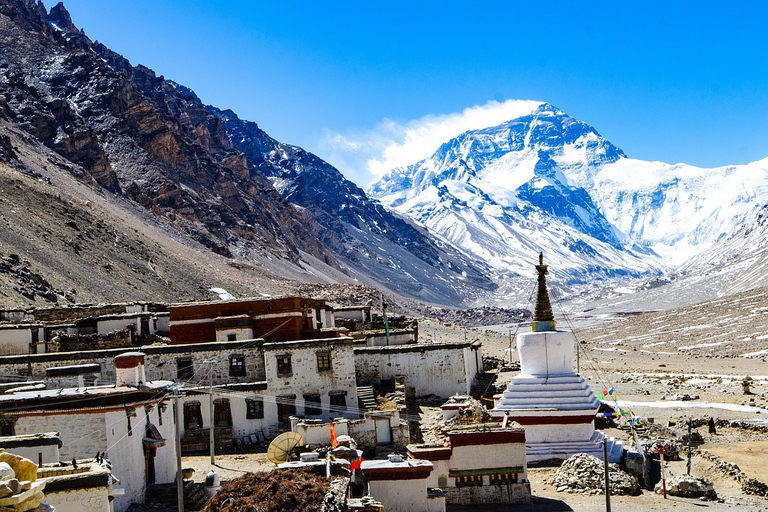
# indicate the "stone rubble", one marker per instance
pixel 671 449
pixel 583 473
pixel 688 487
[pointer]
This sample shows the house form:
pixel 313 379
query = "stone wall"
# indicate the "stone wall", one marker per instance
pixel 306 378
pixel 78 500
pixel 86 342
pixel 439 369
pixel 488 493
pixel 160 363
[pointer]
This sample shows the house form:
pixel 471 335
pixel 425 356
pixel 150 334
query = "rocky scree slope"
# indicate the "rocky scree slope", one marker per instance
pixel 381 247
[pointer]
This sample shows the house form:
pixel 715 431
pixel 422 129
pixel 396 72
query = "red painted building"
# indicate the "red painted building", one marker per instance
pixel 284 319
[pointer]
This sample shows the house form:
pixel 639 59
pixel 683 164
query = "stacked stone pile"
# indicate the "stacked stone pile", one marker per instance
pixel 671 449
pixel 689 487
pixel 583 473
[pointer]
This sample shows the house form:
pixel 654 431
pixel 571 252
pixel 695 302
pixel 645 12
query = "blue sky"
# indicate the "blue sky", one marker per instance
pixel 354 81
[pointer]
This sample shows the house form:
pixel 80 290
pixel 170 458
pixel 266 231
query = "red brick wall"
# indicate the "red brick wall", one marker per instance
pixel 193 333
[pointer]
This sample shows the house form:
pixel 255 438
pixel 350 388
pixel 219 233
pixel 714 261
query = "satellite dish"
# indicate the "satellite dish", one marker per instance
pixel 281 448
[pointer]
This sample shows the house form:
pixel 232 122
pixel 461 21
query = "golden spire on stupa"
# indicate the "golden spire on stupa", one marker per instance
pixel 543 318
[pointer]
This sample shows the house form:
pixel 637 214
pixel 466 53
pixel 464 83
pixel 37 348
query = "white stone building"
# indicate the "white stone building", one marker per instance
pixel 402 485
pixel 441 369
pixel 479 464
pixel 129 420
pixel 308 378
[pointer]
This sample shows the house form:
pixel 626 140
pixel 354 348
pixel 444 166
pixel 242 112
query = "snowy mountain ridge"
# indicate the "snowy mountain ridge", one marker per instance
pixel 548 182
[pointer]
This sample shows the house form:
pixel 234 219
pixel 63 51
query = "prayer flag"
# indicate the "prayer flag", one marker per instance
pixel 600 396
pixel 334 441
pixel 356 464
pixel 612 393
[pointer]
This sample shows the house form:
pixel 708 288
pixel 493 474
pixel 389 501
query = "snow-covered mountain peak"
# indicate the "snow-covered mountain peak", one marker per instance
pixel 546 181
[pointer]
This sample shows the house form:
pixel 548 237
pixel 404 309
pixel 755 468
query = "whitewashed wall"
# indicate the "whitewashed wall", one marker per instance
pixel 404 496
pixel 92 499
pixel 15 340
pixel 83 433
pixel 443 370
pixel 305 377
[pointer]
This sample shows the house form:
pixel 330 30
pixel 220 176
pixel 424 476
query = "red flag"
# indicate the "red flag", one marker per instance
pixel 334 441
pixel 356 464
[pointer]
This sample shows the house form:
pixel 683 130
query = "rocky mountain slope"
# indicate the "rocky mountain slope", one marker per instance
pixel 374 241
pixel 151 146
pixel 546 181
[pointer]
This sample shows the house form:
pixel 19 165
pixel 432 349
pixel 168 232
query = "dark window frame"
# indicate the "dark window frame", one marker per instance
pixel 286 407
pixel 193 421
pixel 312 404
pixel 254 408
pixel 185 368
pixel 222 413
pixel 324 361
pixel 337 402
pixel 237 366
pixel 284 365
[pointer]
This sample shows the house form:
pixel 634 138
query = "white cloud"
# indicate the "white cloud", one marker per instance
pixel 366 156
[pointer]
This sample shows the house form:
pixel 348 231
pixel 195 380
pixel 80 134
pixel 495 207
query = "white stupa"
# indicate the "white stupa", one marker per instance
pixel 554 404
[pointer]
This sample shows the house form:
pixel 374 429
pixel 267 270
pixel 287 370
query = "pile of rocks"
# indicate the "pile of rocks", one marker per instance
pixel 583 473
pixel 671 449
pixel 689 487
pixel 680 397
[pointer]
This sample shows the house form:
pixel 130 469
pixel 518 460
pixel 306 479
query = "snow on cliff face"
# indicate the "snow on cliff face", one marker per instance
pixel 548 182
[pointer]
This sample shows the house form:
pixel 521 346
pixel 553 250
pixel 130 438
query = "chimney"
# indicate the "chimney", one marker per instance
pixel 129 369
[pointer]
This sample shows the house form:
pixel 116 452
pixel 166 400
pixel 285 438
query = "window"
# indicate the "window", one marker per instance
pixel 237 366
pixel 222 414
pixel 286 407
pixel 312 405
pixel 323 361
pixel 469 480
pixel 231 337
pixel 193 417
pixel 502 478
pixel 254 409
pixel 284 365
pixel 338 401
pixel 8 426
pixel 184 369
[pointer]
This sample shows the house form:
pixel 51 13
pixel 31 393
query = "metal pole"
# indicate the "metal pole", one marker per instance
pixel 578 359
pixel 210 403
pixel 384 314
pixel 607 480
pixel 177 442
